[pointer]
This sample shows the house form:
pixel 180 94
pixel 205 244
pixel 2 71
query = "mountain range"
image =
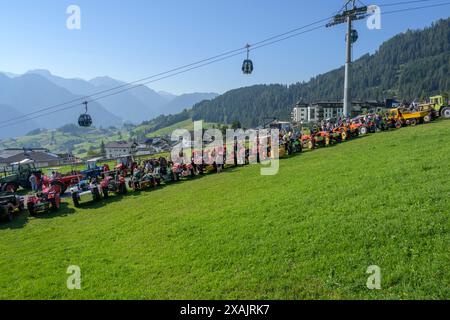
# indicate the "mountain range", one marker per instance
pixel 35 90
pixel 411 65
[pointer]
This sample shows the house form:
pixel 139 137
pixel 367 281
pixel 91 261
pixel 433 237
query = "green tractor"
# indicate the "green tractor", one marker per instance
pixel 439 106
pixel 19 176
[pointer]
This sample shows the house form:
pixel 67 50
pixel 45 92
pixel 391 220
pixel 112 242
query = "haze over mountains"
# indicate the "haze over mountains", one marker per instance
pixel 37 89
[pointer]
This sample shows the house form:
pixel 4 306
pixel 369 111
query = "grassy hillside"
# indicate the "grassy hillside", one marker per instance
pixel 79 141
pixel 149 131
pixel 84 141
pixel 309 232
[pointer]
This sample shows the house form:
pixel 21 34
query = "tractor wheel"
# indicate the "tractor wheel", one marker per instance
pixel 413 122
pixel 105 193
pixel 363 131
pixel 398 124
pixel 31 209
pixel 10 214
pixel 445 113
pixel 344 136
pixel 75 200
pixel 427 118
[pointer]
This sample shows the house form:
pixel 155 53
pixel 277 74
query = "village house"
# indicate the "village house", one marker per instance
pixel 117 149
pixel 69 158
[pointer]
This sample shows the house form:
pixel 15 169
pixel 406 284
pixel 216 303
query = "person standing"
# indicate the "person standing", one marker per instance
pixel 33 182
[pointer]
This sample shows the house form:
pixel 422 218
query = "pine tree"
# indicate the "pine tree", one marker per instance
pixel 102 148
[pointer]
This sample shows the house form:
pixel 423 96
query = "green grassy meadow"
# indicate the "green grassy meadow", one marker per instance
pixel 186 124
pixel 309 232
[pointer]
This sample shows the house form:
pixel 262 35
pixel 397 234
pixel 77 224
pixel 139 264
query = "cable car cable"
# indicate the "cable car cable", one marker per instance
pixel 25 117
pixel 188 65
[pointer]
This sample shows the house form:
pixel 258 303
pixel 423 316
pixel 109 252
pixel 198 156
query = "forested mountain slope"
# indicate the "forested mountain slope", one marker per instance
pixel 411 65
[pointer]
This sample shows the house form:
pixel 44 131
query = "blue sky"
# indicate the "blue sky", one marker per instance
pixel 132 39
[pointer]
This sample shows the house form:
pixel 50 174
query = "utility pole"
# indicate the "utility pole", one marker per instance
pixel 350 13
pixel 348 63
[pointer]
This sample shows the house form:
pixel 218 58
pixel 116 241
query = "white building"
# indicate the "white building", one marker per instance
pixel 116 149
pixel 318 111
pixel 300 113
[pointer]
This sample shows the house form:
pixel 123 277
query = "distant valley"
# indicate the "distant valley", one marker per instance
pixel 35 90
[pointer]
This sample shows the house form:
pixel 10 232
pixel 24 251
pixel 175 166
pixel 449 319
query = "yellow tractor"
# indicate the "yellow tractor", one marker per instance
pixel 400 117
pixel 438 105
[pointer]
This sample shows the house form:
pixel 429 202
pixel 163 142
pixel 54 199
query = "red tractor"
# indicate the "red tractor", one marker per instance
pixel 126 165
pixel 64 182
pixel 44 201
pixel 183 170
pixel 113 182
pixel 364 124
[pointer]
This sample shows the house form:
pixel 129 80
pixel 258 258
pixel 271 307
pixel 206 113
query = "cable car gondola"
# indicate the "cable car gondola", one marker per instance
pixel 247 65
pixel 85 119
pixel 354 36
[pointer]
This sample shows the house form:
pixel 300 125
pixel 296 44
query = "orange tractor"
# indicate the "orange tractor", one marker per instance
pixel 311 141
pixel 341 133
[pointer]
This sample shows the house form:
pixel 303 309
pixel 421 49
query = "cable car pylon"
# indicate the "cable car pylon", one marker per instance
pixel 350 14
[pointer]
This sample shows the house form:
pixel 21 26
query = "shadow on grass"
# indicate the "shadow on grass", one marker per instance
pixel 21 219
pixel 98 204
pixel 138 193
pixel 64 211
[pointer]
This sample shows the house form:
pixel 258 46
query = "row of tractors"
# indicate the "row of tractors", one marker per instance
pixel 48 199
pixel 130 176
pixel 52 188
pixel 394 118
pixel 45 200
pixel 99 182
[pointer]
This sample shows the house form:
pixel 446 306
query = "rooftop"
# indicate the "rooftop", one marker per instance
pixel 120 144
pixel 37 156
